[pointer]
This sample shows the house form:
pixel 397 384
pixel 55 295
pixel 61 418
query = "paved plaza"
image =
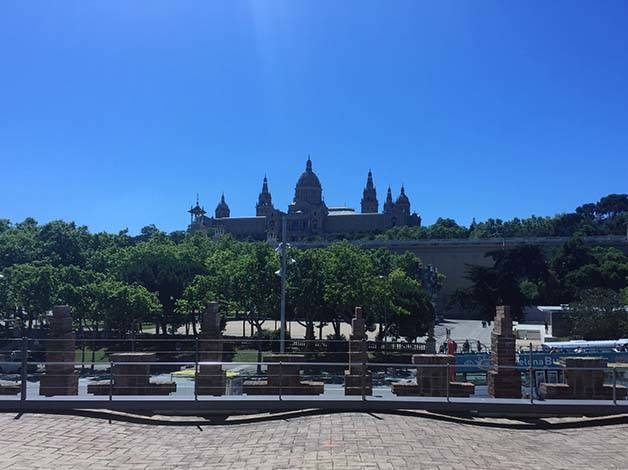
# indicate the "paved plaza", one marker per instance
pixel 460 330
pixel 309 440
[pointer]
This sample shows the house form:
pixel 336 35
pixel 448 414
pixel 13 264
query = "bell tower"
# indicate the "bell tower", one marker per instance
pixel 196 212
pixel 264 204
pixel 369 203
pixel 389 205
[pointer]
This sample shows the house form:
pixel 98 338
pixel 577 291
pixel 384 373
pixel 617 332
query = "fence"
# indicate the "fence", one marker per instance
pixel 219 376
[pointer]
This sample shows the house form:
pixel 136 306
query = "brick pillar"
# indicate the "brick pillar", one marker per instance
pixel 284 379
pixel 584 380
pixel 432 381
pixel 358 375
pixel 131 377
pixel 211 378
pixel 60 379
pixel 503 380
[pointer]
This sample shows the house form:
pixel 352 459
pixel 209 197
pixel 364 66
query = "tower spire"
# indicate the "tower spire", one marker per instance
pixel 369 203
pixel 389 205
pixel 222 209
pixel 264 204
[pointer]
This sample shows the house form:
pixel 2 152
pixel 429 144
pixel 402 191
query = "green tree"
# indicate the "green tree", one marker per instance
pixel 125 306
pixel 31 290
pixel 599 314
pixel 162 268
pixel 401 305
pixel 5 225
pixel 19 245
pixel 446 229
pixel 254 284
pixel 63 243
pixel 578 267
pixel 306 289
pixel 347 272
pixel 518 277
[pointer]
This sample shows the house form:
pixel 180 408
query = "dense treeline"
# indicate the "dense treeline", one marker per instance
pixel 592 280
pixel 608 216
pixel 116 282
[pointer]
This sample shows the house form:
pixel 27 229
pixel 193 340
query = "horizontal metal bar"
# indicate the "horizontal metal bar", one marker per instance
pixel 231 405
pixel 266 363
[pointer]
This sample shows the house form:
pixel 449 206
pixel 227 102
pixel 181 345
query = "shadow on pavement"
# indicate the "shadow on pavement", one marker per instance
pixel 523 423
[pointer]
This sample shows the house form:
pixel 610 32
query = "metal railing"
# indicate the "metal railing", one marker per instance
pixel 317 382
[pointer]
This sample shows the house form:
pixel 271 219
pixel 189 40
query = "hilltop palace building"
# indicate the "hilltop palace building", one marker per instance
pixel 308 216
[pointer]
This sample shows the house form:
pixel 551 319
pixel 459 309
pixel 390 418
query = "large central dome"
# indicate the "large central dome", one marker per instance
pixel 308 190
pixel 308 178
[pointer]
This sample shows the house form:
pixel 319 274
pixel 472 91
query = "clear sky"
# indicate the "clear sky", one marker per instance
pixel 115 114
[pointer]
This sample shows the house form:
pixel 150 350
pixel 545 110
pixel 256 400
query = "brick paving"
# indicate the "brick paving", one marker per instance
pixel 317 441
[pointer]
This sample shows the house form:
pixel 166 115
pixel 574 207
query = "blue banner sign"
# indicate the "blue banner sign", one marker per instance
pixel 481 362
pixel 473 362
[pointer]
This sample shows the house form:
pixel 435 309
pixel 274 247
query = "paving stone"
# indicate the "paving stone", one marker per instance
pixel 338 441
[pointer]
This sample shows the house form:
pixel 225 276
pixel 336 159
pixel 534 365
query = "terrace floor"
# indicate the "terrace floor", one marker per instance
pixel 309 440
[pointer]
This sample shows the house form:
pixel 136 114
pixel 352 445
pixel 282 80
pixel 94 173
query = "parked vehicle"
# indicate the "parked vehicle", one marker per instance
pixel 11 363
pixel 578 345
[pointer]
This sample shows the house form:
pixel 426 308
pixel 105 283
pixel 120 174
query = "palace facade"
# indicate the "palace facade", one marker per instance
pixel 308 216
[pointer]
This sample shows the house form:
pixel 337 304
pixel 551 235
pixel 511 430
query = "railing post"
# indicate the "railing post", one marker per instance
pixel 111 381
pixel 24 371
pixel 280 379
pixel 614 386
pixel 362 380
pixel 362 377
pixel 531 377
pixel 447 382
pixel 196 356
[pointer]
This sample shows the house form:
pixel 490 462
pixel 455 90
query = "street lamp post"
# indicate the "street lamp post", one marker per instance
pixel 429 280
pixel 282 332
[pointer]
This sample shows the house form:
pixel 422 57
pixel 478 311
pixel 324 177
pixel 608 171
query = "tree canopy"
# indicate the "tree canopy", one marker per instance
pixel 116 282
pixel 608 216
pixel 527 276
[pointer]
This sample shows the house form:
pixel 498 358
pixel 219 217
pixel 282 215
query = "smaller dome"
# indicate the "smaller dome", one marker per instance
pixel 222 209
pixel 222 203
pixel 402 199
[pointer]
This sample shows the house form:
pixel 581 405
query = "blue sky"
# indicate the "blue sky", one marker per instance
pixel 115 114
